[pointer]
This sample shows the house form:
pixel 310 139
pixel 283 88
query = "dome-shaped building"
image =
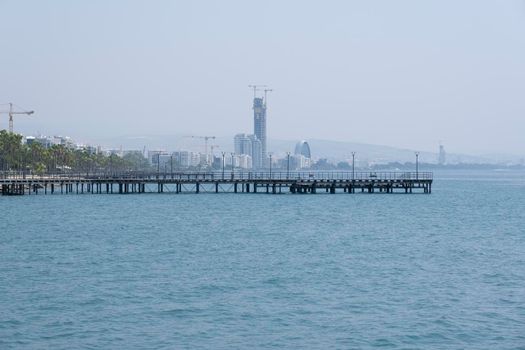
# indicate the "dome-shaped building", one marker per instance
pixel 302 148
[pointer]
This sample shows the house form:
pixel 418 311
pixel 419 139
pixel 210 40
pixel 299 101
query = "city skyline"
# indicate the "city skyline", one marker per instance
pixel 379 73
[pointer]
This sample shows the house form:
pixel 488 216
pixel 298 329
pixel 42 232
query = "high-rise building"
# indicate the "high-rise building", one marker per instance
pixel 302 148
pixel 187 158
pixel 249 145
pixel 242 144
pixel 257 154
pixel 442 159
pixel 259 126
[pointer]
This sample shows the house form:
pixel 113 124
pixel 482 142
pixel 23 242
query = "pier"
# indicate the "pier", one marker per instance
pixel 218 182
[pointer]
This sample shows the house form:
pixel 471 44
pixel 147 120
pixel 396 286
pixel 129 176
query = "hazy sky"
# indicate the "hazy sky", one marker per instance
pixel 399 73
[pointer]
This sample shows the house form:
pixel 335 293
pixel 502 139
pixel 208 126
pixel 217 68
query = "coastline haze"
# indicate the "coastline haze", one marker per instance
pixel 407 75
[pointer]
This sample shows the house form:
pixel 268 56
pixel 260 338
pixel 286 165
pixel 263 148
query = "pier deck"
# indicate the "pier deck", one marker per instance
pixel 218 182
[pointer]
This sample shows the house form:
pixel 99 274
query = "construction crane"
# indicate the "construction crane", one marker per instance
pixel 265 92
pixel 11 113
pixel 205 138
pixel 212 147
pixel 255 89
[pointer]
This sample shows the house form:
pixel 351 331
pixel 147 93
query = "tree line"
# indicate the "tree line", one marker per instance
pixel 34 158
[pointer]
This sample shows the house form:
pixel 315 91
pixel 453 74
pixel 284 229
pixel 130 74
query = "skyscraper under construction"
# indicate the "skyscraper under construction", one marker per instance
pixel 259 127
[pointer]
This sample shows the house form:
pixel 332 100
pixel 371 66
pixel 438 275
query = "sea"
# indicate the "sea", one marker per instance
pixel 263 271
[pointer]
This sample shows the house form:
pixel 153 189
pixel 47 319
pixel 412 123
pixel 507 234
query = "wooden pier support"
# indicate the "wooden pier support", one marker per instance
pixel 256 184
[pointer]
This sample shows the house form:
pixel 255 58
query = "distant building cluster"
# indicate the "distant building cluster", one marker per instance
pixel 65 141
pixel 179 159
pixel 302 157
pixel 250 150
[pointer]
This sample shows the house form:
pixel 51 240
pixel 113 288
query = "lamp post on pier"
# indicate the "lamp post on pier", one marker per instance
pixel 223 153
pixel 353 165
pixel 270 155
pixel 233 164
pixel 417 165
pixel 288 166
pixel 158 164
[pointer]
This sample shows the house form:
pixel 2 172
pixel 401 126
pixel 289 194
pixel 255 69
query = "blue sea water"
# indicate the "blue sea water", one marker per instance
pixel 258 271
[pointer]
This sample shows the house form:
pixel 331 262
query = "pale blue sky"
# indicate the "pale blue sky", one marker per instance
pixel 400 73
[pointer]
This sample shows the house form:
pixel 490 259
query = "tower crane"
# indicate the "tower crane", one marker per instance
pixel 266 91
pixel 11 113
pixel 205 138
pixel 212 147
pixel 255 89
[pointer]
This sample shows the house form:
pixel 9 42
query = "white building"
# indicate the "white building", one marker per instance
pixel 157 157
pixel 244 161
pixel 251 146
pixel 186 158
pixel 49 141
pixel 299 161
pixel 242 144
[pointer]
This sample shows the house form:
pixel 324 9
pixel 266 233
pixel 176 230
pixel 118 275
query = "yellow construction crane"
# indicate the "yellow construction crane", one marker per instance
pixel 12 113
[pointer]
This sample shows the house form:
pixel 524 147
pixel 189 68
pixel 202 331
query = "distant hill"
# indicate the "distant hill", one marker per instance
pixel 332 150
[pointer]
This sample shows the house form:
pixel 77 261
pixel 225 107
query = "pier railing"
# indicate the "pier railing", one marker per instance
pixel 236 175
